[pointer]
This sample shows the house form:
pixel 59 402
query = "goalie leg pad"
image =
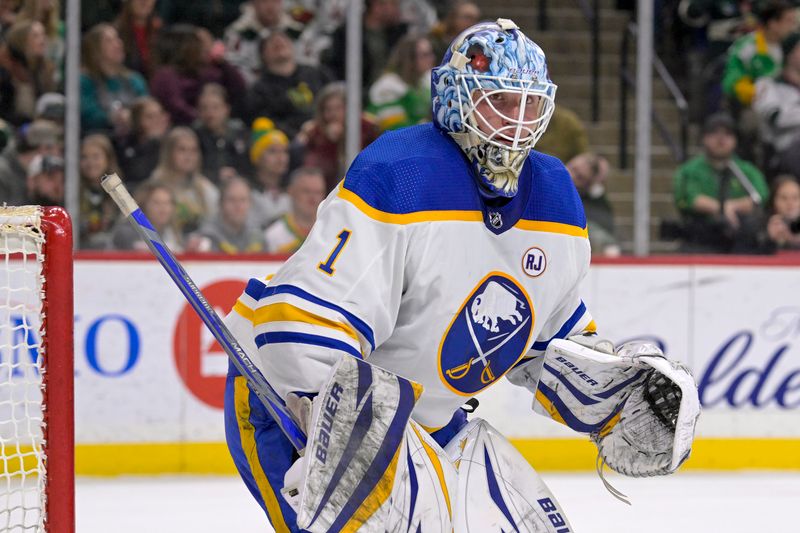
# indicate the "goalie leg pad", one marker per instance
pixel 498 490
pixel 356 447
pixel 423 498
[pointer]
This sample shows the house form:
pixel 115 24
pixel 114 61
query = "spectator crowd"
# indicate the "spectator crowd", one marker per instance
pixel 227 119
pixel 740 193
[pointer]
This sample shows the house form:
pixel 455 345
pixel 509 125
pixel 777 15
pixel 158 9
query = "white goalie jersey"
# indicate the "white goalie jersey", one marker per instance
pixel 411 269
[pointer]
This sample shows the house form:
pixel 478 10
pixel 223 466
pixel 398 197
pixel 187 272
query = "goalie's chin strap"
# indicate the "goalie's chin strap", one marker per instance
pixel 609 487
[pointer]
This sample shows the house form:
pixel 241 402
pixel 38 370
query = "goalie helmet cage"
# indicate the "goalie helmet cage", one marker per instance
pixel 36 371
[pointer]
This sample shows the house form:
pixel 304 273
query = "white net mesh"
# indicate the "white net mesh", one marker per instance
pixel 22 478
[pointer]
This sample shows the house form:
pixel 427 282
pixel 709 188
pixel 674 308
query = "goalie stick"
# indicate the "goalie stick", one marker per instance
pixel 277 408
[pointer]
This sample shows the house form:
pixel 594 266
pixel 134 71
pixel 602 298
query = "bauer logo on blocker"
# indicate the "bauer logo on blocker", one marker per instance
pixel 534 262
pixel 487 336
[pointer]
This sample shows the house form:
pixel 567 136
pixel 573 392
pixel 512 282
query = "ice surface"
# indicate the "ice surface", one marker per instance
pixel 686 503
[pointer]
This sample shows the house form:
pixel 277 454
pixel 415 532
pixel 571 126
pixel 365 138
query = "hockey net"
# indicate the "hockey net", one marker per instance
pixel 36 370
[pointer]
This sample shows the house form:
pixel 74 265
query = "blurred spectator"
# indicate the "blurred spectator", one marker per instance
pixel 98 211
pixel 307 190
pixel 270 155
pixel 51 106
pixel 381 30
pixel 440 7
pixel 777 104
pixel 419 14
pixel 108 88
pixel 718 194
pixel 47 135
pixel 461 15
pixel 37 138
pixel 223 140
pixel 214 15
pixel 321 140
pixel 758 54
pixel 722 21
pixel 232 231
pixel 213 48
pixel 6 135
pixel 8 14
pixel 713 27
pixel 97 11
pixel 401 96
pixel 783 226
pixel 25 71
pixel 589 173
pixel 191 61
pixel 46 181
pixel 179 164
pixel 244 38
pixel 285 90
pixel 565 136
pixel 138 26
pixel 157 201
pixel 321 18
pixel 139 151
pixel 48 13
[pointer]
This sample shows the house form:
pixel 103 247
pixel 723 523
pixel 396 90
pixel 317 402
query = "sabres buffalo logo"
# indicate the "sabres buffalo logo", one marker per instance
pixel 488 335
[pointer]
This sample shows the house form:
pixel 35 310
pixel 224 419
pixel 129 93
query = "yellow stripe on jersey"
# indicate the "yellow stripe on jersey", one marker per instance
pixel 408 218
pixel 552 227
pixel 286 312
pixel 243 311
pixel 454 216
pixel 247 436
pixel 380 493
pixel 591 327
pixel 437 466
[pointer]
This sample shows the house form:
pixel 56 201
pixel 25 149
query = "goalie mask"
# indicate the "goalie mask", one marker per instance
pixel 493 96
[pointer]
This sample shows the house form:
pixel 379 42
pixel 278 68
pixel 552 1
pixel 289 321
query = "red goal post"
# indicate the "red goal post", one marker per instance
pixel 36 370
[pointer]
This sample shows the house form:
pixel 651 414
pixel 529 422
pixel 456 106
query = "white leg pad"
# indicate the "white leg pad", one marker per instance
pixel 422 499
pixel 497 489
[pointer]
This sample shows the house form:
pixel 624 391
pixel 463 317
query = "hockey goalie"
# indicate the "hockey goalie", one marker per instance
pixel 448 258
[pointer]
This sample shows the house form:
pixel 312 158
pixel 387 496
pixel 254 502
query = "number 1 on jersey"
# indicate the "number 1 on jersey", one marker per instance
pixel 327 265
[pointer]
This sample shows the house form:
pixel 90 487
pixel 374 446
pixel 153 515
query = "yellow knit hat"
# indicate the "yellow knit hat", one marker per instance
pixel 264 134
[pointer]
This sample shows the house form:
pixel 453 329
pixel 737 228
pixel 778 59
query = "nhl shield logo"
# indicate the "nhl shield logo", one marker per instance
pixel 488 335
pixel 495 219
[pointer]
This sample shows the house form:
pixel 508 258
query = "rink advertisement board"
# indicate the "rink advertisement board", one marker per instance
pixel 149 379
